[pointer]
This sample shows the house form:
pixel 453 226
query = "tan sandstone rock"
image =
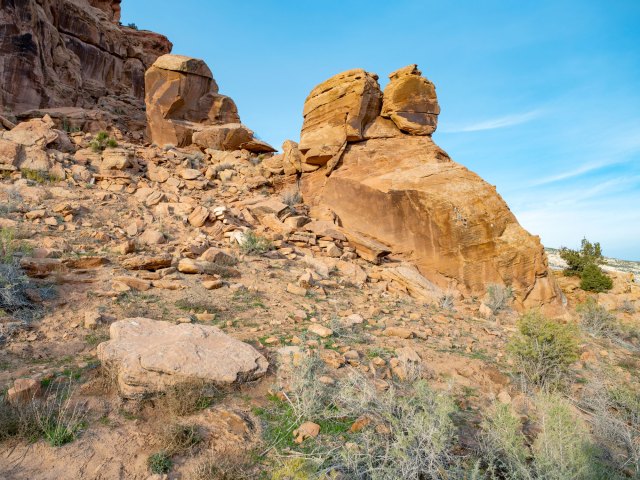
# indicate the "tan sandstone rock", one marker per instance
pixel 410 102
pixel 184 106
pixel 337 111
pixel 151 355
pixel 404 192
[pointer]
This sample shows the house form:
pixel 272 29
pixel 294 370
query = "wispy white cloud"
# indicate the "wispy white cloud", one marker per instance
pixel 495 123
pixel 575 172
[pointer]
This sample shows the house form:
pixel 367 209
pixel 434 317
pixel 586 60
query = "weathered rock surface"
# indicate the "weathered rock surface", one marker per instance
pixel 184 107
pixel 337 111
pixel 399 192
pixel 151 355
pixel 410 102
pixel 72 53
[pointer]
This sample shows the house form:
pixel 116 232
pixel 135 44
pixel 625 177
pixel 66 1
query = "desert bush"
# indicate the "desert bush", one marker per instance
pixel 503 446
pixel 593 279
pixel 306 395
pixel 543 349
pixel 292 198
pixel 159 463
pixel 416 436
pixel 18 421
pixel 14 284
pixel 187 398
pixel 55 417
pixel 38 176
pixel 225 466
pixel 446 301
pixel 561 449
pixel 596 319
pixel 615 422
pixel 498 297
pixel 178 438
pixel 254 244
pixel 626 306
pixel 102 141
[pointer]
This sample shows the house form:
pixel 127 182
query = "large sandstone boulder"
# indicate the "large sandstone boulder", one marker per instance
pixel 410 102
pixel 403 193
pixel 149 356
pixel 63 53
pixel 184 107
pixel 337 111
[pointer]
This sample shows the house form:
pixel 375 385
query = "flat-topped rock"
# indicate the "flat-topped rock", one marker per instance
pixel 149 356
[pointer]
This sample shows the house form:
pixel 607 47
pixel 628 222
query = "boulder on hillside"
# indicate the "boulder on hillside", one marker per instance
pixel 149 356
pixel 184 107
pixel 396 188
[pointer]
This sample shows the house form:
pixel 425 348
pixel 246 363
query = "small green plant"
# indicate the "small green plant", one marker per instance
pixel 543 349
pixel 132 25
pixel 585 263
pixel 38 176
pixel 254 244
pixel 596 320
pixel 102 141
pixel 159 463
pixel 7 248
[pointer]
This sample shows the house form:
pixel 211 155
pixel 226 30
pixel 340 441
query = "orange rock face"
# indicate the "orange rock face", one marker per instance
pixel 64 53
pixel 404 191
pixel 184 106
pixel 336 111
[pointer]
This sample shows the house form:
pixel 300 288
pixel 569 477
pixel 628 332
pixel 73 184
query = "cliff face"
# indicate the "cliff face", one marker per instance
pixel 71 53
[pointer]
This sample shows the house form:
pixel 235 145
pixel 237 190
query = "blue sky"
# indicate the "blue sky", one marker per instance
pixel 540 98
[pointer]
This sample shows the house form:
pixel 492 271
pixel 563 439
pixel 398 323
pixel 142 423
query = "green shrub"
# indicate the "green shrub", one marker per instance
pixel 159 463
pixel 584 263
pixel 102 141
pixel 543 349
pixel 589 254
pixel 254 244
pixel 593 279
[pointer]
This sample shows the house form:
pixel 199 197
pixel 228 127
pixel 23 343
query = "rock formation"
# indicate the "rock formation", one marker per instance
pixel 72 53
pixel 151 355
pixel 394 187
pixel 184 107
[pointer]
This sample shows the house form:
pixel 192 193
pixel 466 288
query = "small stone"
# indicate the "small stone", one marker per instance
pixel 320 330
pixel 360 424
pixel 504 397
pixel 92 319
pixel 398 332
pixel 306 430
pixel 212 284
pixel 296 290
pixel 51 221
pixel 152 237
pixel 23 390
pixel 135 283
pixel 485 311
